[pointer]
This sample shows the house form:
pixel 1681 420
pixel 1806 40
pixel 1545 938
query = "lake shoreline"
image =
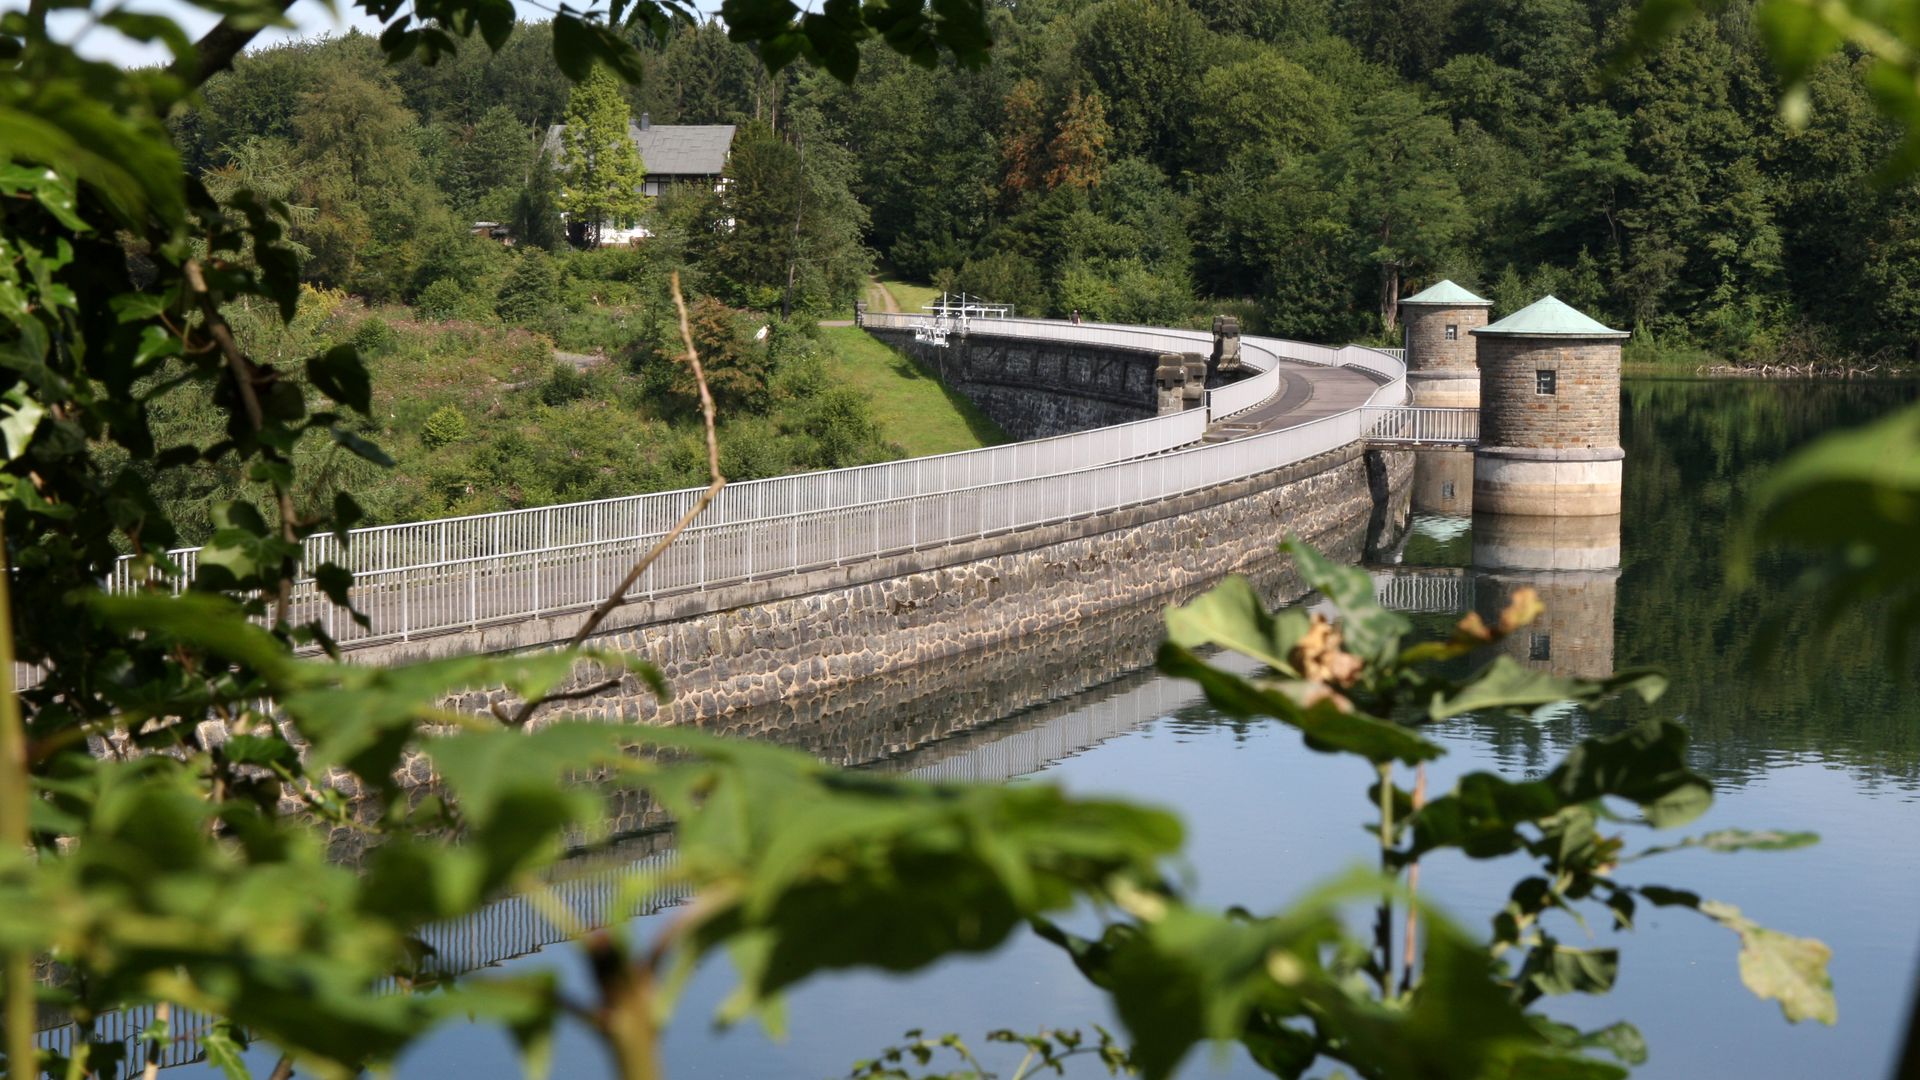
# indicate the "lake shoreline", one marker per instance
pixel 1768 372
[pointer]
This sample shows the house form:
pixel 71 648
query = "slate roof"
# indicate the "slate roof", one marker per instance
pixel 668 149
pixel 1446 294
pixel 1548 317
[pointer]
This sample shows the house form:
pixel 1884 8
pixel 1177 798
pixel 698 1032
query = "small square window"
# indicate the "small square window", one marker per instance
pixel 1540 647
pixel 1453 332
pixel 1545 381
pixel 1446 489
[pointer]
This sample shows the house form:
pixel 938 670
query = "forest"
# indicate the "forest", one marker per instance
pixel 1301 163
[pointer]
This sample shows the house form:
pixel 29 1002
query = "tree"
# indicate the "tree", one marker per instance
pixel 532 291
pixel 1407 208
pixel 601 172
pixel 1078 151
pixel 490 165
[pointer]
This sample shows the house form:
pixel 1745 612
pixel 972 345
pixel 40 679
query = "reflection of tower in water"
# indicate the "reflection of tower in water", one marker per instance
pixel 1574 564
pixel 1443 482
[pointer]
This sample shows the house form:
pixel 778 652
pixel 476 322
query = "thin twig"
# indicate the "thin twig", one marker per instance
pixel 16 803
pixel 1413 885
pixel 282 1069
pixel 619 595
pixel 1383 925
pixel 243 369
pixel 162 1014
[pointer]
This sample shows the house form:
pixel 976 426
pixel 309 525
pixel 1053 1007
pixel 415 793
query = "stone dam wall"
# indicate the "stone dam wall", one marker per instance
pixel 1034 389
pixel 1000 596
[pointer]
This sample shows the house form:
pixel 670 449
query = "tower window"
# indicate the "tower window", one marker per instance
pixel 1453 332
pixel 1446 489
pixel 1545 381
pixel 1540 647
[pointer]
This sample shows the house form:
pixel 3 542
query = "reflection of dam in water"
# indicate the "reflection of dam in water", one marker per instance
pixel 1000 715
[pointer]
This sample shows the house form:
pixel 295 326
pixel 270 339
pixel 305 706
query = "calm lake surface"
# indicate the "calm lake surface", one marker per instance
pixel 1821 738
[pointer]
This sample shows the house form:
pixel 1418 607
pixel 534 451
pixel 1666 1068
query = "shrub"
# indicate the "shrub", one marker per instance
pixel 373 335
pixel 442 300
pixel 565 383
pixel 445 426
pixel 532 291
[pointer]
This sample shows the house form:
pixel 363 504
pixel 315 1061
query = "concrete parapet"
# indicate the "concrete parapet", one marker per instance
pixel 1194 392
pixel 1170 383
pixel 1226 344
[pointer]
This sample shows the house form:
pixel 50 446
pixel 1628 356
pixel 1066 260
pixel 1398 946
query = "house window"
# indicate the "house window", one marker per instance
pixel 1446 489
pixel 1540 647
pixel 1453 332
pixel 1545 381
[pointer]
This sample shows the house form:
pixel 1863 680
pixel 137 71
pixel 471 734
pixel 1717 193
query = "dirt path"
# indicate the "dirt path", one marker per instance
pixel 878 299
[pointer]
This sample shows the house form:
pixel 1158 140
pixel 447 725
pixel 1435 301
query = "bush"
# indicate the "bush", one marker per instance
pixel 373 335
pixel 445 426
pixel 564 384
pixel 532 291
pixel 840 430
pixel 442 300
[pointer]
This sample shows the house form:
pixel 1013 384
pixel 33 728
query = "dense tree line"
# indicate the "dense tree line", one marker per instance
pixel 1319 158
pixel 1302 162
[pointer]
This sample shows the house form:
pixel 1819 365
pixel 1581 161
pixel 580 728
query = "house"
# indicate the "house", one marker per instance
pixel 672 154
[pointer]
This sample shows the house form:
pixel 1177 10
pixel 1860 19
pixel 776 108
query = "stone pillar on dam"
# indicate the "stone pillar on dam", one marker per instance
pixel 1549 414
pixel 1574 564
pixel 1441 372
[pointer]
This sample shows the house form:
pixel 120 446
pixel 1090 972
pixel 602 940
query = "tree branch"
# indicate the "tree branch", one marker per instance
pixel 243 370
pixel 216 49
pixel 619 595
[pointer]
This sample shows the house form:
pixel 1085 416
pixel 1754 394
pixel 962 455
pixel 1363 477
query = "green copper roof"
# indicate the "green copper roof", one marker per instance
pixel 1548 317
pixel 1448 294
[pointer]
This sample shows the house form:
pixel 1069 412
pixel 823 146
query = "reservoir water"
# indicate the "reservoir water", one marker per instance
pixel 1820 736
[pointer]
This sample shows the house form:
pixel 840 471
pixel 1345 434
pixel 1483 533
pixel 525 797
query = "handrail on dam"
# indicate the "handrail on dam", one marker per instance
pixel 460 573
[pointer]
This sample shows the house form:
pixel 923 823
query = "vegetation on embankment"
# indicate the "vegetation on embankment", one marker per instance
pixel 913 408
pixel 480 414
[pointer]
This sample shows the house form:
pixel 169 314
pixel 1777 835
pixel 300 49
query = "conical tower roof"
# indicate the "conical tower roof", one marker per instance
pixel 1548 317
pixel 1446 294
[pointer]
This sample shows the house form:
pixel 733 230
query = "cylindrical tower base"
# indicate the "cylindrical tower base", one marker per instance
pixel 1444 389
pixel 1570 483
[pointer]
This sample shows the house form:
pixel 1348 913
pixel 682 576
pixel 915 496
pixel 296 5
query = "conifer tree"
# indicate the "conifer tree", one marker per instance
pixel 601 173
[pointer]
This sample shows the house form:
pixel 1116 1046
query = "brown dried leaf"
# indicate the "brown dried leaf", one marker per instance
pixel 1523 608
pixel 1319 658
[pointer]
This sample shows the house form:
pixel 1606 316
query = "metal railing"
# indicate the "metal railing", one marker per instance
pixel 1419 424
pixel 1424 591
pixel 460 573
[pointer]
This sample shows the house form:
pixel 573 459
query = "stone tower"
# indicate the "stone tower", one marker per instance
pixel 1440 368
pixel 1549 414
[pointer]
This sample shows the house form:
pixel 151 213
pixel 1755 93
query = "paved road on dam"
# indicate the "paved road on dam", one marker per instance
pixel 1307 392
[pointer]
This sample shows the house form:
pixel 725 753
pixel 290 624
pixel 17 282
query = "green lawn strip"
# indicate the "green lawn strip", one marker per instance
pixel 913 407
pixel 910 297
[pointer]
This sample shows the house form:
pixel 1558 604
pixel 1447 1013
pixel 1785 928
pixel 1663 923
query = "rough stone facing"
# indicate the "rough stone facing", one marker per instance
pixel 824 642
pixel 1582 413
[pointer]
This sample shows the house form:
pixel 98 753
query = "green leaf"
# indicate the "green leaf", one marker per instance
pixel 339 374
pixel 223 1051
pixel 1646 764
pixel 1506 684
pixel 481 767
pixel 1231 615
pixel 1780 967
pixel 1552 968
pixel 1738 840
pixel 1326 727
pixel 1371 631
